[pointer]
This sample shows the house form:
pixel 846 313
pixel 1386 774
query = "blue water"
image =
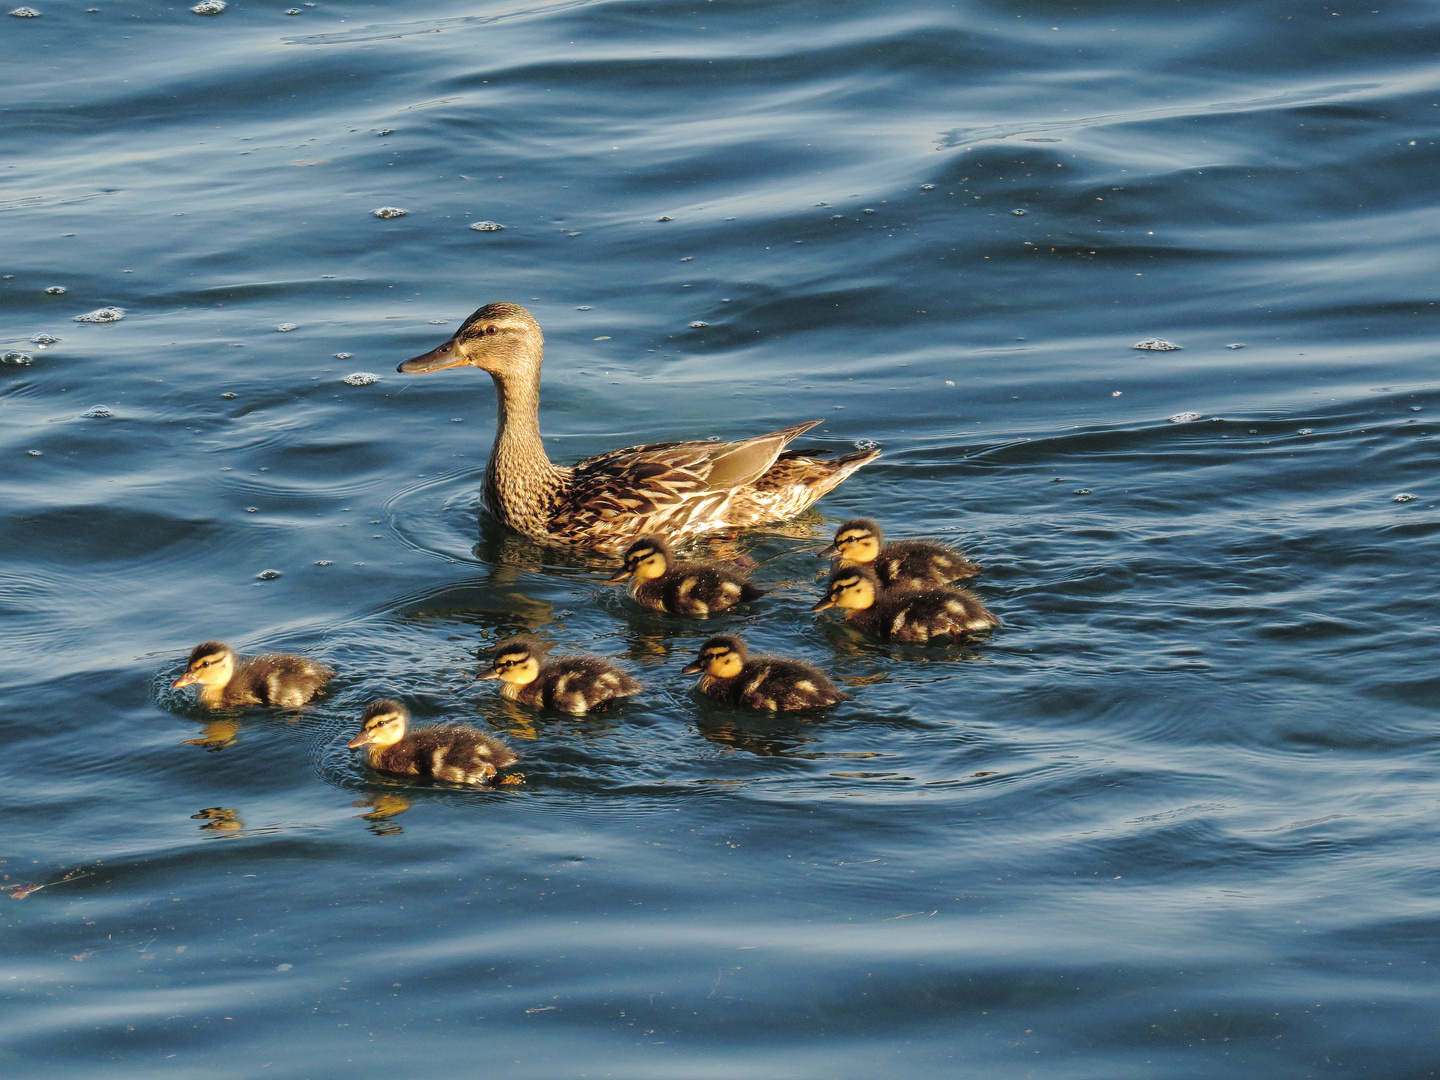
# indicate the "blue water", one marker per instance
pixel 1176 818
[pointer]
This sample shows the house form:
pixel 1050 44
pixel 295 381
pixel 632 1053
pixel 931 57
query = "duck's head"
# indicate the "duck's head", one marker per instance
pixel 853 588
pixel 856 542
pixel 516 661
pixel 721 657
pixel 503 339
pixel 210 664
pixel 648 557
pixel 382 723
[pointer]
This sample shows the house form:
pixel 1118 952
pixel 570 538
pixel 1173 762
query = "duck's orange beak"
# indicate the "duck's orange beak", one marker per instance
pixel 185 680
pixel 693 668
pixel 491 674
pixel 437 359
pixel 359 740
pixel 823 604
pixel 620 575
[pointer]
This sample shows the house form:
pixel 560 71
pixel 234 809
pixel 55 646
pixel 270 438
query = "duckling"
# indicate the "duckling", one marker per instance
pixel 682 489
pixel 459 754
pixel 909 616
pixel 764 683
pixel 909 564
pixel 573 684
pixel 226 680
pixel 681 588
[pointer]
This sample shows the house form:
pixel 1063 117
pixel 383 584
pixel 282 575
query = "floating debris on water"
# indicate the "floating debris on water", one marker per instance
pixel 927 187
pixel 1116 393
pixel 209 7
pixel 56 290
pixel 16 359
pixel 324 562
pixel 361 378
pixel 389 212
pixel 25 13
pixel 292 11
pixel 438 322
pixel 688 258
pixel 97 412
pixel 837 217
pixel 44 339
pixel 267 575
pixel 1306 431
pixel 1184 417
pixel 252 509
pixel 229 395
pixel 1082 491
pixel 342 356
pixel 574 234
pixel 1155 344
pixel 1405 496
pixel 385 131
pixel 286 327
pixel 665 217
pixel 33 453
pixel 867 210
pixel 949 382
pixel 1236 345
pixel 583 307
pixel 104 314
pixel 698 325
pixel 487 226
pixel 1019 213
pixel 866 444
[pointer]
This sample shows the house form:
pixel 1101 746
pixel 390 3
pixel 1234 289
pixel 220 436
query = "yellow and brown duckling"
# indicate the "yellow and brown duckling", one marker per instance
pixel 573 684
pixel 681 489
pixel 909 616
pixel 907 564
pixel 225 680
pixel 454 753
pixel 663 583
pixel 761 682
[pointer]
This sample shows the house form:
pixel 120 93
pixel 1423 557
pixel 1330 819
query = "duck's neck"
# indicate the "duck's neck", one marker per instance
pixel 520 483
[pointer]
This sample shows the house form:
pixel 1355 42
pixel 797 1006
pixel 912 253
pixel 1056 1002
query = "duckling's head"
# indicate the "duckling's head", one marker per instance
pixel 856 542
pixel 210 664
pixel 648 557
pixel 853 588
pixel 517 661
pixel 503 339
pixel 382 723
pixel 722 657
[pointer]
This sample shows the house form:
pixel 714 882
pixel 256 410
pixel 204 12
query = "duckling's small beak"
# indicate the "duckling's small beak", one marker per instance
pixel 621 576
pixel 491 674
pixel 185 680
pixel 359 740
pixel 436 359
pixel 830 552
pixel 693 668
pixel 823 604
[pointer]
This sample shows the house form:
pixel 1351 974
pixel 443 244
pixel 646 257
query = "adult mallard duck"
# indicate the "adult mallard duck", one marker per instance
pixel 458 754
pixel 910 616
pixel 908 564
pixel 225 680
pixel 573 684
pixel 764 683
pixel 678 489
pixel 663 583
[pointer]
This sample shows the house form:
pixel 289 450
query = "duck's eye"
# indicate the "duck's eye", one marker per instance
pixel 489 329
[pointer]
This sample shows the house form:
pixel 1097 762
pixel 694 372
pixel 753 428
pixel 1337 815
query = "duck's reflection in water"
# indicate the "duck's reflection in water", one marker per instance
pixel 216 734
pixel 785 739
pixel 219 819
pixel 384 808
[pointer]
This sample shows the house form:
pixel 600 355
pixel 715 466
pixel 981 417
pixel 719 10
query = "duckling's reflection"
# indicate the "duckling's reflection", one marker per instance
pixel 737 736
pixel 219 819
pixel 526 723
pixel 384 808
pixel 216 734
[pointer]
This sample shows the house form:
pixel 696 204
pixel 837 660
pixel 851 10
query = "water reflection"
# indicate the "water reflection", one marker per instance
pixel 219 819
pixel 384 808
pixel 216 734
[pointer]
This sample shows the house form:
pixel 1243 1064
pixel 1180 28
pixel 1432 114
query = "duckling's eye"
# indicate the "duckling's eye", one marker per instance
pixel 489 329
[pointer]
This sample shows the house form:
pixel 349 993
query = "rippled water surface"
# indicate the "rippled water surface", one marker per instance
pixel 1176 818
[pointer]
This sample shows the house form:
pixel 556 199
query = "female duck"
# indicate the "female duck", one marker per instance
pixel 908 564
pixel 762 682
pixel 573 684
pixel 225 680
pixel 909 616
pixel 662 583
pixel 680 489
pixel 458 754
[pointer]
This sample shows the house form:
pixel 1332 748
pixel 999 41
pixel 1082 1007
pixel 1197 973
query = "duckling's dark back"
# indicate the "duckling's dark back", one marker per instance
pixel 774 685
pixel 690 588
pixel 457 754
pixel 917 616
pixel 276 680
pixel 919 564
pixel 577 684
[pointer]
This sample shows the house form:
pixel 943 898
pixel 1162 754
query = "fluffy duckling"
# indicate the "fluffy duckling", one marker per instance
pixel 461 755
pixel 662 583
pixel 763 683
pixel 909 564
pixel 573 684
pixel 910 616
pixel 226 680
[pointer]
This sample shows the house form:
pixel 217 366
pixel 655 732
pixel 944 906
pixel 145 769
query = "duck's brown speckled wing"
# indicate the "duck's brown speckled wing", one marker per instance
pixel 666 484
